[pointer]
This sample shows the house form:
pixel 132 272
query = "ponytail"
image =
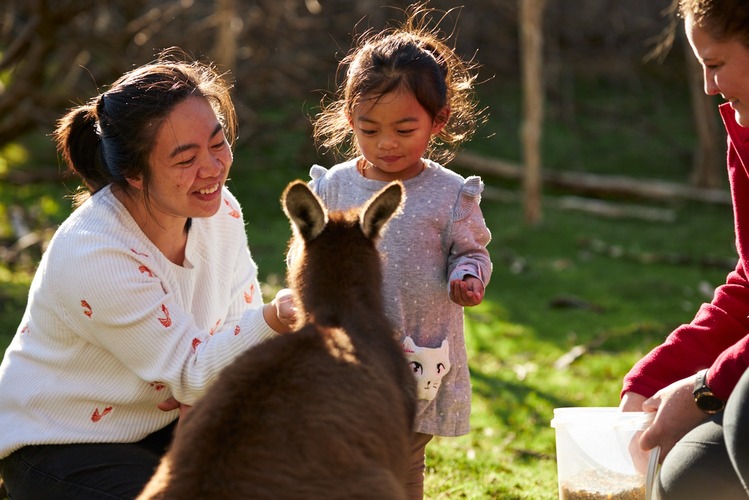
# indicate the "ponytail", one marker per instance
pixel 80 147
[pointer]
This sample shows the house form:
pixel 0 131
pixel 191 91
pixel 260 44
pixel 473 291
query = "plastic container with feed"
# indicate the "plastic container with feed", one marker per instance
pixel 597 457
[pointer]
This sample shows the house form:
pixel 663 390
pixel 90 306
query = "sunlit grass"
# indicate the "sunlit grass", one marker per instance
pixel 575 281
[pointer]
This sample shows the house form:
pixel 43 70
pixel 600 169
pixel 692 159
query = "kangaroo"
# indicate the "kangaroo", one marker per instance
pixel 325 412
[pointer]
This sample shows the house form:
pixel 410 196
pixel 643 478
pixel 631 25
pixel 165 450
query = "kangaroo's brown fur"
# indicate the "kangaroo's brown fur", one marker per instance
pixel 325 412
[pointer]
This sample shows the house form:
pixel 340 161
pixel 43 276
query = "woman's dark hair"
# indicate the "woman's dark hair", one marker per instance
pixel 412 57
pixel 721 19
pixel 110 139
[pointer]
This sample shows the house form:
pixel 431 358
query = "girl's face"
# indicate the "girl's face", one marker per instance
pixel 393 134
pixel 188 165
pixel 726 68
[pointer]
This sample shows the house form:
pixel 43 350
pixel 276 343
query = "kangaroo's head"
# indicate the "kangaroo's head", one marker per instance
pixel 333 259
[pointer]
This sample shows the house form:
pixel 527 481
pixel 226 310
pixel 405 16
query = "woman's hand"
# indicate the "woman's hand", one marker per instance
pixel 676 414
pixel 172 404
pixel 280 313
pixel 168 404
pixel 631 401
pixel 467 292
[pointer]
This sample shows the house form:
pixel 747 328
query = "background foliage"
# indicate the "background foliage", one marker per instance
pixel 573 302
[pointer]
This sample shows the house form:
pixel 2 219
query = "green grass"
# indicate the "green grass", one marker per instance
pixel 617 270
pixel 516 335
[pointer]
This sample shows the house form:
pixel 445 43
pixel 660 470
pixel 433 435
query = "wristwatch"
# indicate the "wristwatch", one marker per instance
pixel 704 397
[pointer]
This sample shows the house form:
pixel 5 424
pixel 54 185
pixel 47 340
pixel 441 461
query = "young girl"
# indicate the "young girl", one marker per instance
pixel 406 97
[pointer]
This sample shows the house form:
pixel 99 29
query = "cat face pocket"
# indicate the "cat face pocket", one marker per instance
pixel 429 366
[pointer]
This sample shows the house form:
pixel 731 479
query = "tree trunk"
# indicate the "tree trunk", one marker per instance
pixel 228 22
pixel 531 20
pixel 707 168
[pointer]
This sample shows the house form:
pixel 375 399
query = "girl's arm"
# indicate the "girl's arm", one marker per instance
pixel 469 265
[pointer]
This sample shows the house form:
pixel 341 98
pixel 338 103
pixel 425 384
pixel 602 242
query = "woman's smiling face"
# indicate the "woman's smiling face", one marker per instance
pixel 190 162
pixel 725 66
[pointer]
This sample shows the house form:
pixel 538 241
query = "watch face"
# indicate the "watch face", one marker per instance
pixel 709 403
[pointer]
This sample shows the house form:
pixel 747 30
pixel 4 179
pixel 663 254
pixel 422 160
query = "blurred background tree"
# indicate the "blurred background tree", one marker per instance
pixel 57 52
pixel 612 107
pixel 604 77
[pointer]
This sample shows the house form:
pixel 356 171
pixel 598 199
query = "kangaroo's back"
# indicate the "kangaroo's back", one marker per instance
pixel 324 412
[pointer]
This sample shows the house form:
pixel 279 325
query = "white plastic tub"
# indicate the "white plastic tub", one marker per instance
pixel 597 456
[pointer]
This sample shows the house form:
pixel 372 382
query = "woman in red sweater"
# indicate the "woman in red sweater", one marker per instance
pixel 696 380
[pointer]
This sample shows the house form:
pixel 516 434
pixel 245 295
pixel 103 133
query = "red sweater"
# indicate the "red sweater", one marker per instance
pixel 718 336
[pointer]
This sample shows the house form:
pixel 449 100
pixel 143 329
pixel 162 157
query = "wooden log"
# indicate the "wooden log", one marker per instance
pixel 582 182
pixel 597 207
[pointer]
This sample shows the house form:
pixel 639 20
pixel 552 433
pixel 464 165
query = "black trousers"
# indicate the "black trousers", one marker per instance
pixel 712 461
pixel 84 471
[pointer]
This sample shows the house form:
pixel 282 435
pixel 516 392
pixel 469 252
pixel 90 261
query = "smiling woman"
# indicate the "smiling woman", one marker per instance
pixel 697 381
pixel 144 294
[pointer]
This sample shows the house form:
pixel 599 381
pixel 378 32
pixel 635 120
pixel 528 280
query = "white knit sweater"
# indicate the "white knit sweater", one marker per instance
pixel 112 327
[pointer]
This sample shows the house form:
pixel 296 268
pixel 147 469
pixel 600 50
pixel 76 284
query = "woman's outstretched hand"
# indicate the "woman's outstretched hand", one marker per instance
pixel 280 313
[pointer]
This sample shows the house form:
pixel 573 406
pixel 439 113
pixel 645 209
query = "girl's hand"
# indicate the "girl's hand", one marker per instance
pixel 467 292
pixel 676 414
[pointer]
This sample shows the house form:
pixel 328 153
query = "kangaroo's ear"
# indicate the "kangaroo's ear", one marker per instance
pixel 304 210
pixel 381 208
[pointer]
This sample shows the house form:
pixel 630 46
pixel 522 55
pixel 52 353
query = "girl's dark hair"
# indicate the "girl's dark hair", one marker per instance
pixel 412 57
pixel 721 19
pixel 110 139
